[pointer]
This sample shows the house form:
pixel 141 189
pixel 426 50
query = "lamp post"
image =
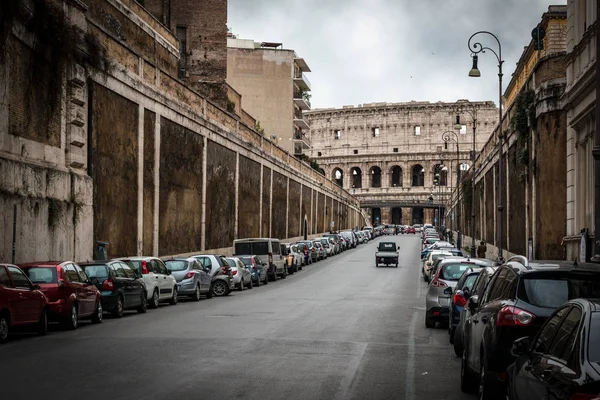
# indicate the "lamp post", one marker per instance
pixel 473 114
pixel 475 49
pixel 596 153
pixel 450 136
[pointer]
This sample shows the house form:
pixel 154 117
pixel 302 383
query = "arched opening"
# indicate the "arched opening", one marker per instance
pixel 356 174
pixel 396 215
pixel 375 177
pixel 418 216
pixel 440 172
pixel 376 216
pixel 418 175
pixel 396 176
pixel 338 177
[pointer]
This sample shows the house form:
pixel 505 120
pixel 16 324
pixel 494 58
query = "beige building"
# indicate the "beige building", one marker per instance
pixel 388 154
pixel 275 90
pixel 580 103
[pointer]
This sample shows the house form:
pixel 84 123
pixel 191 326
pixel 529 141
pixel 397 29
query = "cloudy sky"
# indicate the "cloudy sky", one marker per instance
pixel 363 51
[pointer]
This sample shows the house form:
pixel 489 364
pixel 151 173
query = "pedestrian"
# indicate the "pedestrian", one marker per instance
pixel 481 249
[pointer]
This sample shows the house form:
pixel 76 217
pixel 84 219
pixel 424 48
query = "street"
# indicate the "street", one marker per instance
pixel 338 329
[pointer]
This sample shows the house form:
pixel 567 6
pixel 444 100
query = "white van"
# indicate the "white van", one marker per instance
pixel 268 250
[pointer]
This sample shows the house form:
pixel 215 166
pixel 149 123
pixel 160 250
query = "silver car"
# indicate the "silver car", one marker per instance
pixel 192 278
pixel 242 277
pixel 441 288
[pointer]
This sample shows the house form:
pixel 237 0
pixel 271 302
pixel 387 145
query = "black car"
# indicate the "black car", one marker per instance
pixel 459 298
pixel 517 301
pixel 483 277
pixel 563 360
pixel 122 288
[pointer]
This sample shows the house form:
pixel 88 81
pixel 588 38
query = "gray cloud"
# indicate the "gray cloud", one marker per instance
pixel 363 51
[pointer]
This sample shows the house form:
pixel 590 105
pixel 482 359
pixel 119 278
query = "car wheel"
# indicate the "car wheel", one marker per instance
pixel 196 295
pixel 285 273
pixel 266 281
pixel 209 294
pixel 220 288
pixel 429 322
pixel 118 311
pixel 143 303
pixel 4 328
pixel 42 324
pixel 174 297
pixel 98 314
pixel 467 381
pixel 155 299
pixel 487 389
pixel 250 284
pixel 73 319
pixel 258 282
pixel 241 286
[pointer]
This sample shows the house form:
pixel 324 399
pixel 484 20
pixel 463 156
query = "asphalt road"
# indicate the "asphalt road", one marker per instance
pixel 339 329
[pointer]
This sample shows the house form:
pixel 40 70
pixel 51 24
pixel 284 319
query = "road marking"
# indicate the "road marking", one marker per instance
pixel 347 381
pixel 409 386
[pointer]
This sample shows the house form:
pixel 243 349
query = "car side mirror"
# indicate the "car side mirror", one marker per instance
pixel 36 287
pixel 473 302
pixel 521 346
pixel 398 248
pixel 168 272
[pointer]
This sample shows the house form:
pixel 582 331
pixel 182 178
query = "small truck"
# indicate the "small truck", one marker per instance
pixel 387 253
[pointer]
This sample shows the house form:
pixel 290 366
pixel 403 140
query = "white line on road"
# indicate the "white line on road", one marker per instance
pixel 409 386
pixel 346 383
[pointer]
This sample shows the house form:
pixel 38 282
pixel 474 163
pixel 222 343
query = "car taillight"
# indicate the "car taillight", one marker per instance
pixel 189 275
pixel 459 299
pixel 224 270
pixel 438 283
pixel 144 268
pixel 234 272
pixel 270 258
pixel 252 259
pixel 584 396
pixel 514 316
pixel 108 284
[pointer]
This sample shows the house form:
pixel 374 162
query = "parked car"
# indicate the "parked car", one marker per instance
pixel 519 298
pixel 563 359
pixel 484 276
pixel 70 293
pixel 320 249
pixel 21 302
pixel 193 279
pixel 328 245
pixel 337 241
pixel 242 278
pixel 160 285
pixel 220 271
pixel 294 259
pixel 121 287
pixel 437 303
pixel 441 245
pixel 307 249
pixel 411 229
pixel 432 257
pixel 257 268
pixel 429 240
pixel 263 247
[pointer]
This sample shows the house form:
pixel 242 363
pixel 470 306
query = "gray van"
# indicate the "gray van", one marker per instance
pixel 268 250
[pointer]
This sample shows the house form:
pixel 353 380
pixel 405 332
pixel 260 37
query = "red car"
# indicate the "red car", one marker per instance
pixel 411 229
pixel 72 296
pixel 21 302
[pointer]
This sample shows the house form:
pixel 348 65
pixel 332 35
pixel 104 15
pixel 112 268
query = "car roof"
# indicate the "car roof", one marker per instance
pixel 477 262
pixel 96 262
pixel 254 240
pixel 135 258
pixel 44 264
pixel 551 265
pixel 592 304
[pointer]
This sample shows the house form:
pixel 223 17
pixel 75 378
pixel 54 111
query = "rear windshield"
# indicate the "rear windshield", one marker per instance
pixel 435 257
pixel 246 260
pixel 231 263
pixel 325 241
pixel 594 337
pixel 453 272
pixel 258 248
pixel 177 265
pixel 41 274
pixel 96 271
pixel 556 289
pixel 136 265
pixel 387 247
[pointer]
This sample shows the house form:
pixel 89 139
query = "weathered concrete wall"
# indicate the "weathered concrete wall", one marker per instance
pixel 294 209
pixel 249 196
pixel 278 224
pixel 180 226
pixel 149 170
pixel 306 208
pixel 517 214
pixel 266 202
pixel 113 168
pixel 220 196
pixel 490 236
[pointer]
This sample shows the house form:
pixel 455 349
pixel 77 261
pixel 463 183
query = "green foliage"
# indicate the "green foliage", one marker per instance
pixel 313 164
pixel 524 116
pixel 258 128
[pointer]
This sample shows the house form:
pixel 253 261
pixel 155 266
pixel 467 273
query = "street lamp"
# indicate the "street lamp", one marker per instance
pixel 450 136
pixel 473 114
pixel 475 49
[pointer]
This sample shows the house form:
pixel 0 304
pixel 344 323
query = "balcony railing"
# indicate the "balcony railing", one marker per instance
pixel 300 137
pixel 302 99
pixel 302 81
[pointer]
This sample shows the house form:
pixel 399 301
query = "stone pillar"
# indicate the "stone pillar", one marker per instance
pixel 407 215
pixel 428 215
pixel 386 215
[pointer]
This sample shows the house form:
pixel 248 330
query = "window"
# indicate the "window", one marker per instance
pixel 593 348
pixel 71 273
pixel 118 270
pixel 96 271
pixel 128 271
pixel 4 278
pixel 355 151
pixel 182 37
pixel 453 272
pixel 463 129
pixel 375 132
pixel 41 274
pixel 469 281
pixel 565 336
pixel 496 286
pixel 205 261
pixel 177 265
pixel 276 248
pixel 161 267
pixel 19 279
pixel 395 149
pixel 417 130
pixel 319 154
pixel 337 134
pixel 549 330
pixel 479 285
pixel 82 276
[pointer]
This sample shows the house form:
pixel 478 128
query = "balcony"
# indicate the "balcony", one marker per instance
pixel 300 138
pixel 301 99
pixel 299 121
pixel 301 81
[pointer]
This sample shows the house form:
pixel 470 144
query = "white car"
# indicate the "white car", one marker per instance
pixel 294 259
pixel 327 245
pixel 430 260
pixel 242 277
pixel 160 285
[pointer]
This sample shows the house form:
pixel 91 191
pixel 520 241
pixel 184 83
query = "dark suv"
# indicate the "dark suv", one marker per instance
pixel 517 301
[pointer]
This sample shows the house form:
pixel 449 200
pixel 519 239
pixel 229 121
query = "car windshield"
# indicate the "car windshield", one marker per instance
pixel 177 265
pixel 594 337
pixel 453 272
pixel 387 247
pixel 41 274
pixel 96 271
pixel 557 288
pixel 258 248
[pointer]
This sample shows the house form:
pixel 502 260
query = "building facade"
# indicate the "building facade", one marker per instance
pixel 388 154
pixel 275 90
pixel 580 104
